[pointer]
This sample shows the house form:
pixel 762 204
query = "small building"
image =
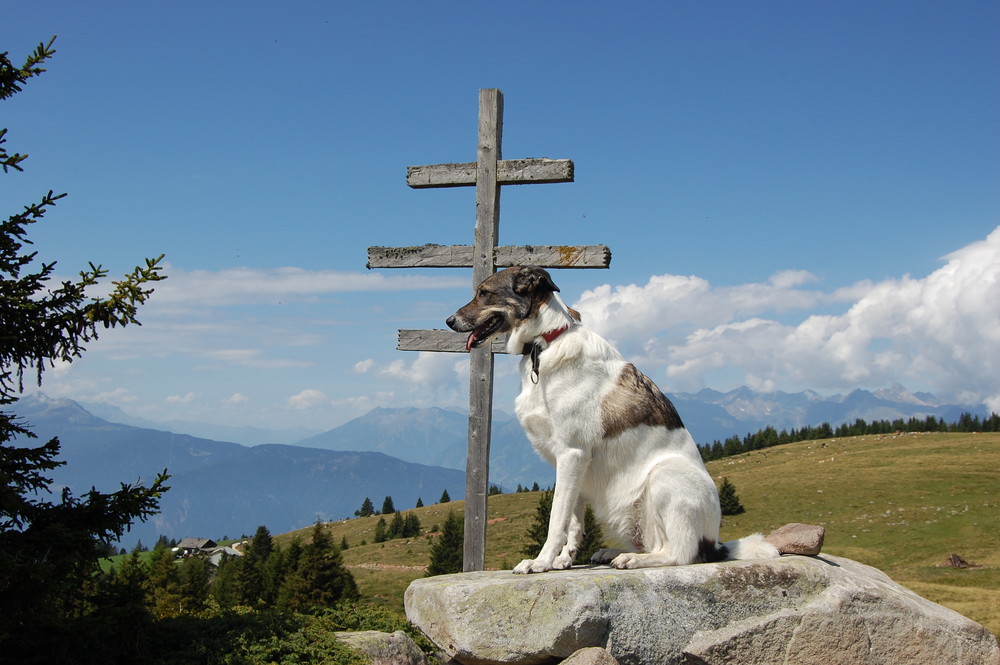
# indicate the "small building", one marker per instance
pixel 216 556
pixel 191 546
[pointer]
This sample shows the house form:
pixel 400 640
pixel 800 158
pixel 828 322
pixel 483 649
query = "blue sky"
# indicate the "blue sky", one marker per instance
pixel 796 195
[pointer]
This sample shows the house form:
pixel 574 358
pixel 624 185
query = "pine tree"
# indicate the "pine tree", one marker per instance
pixel 729 500
pixel 539 529
pixel 164 582
pixel 50 544
pixel 447 550
pixel 444 497
pixel 193 578
pixel 411 526
pixel 320 579
pixel 381 531
pixel 396 526
pixel 387 507
pixel 367 509
pixel 593 534
pixel 251 583
pixel 593 537
pixel 420 503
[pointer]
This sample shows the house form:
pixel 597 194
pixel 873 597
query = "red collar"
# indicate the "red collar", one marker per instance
pixel 533 349
pixel 551 335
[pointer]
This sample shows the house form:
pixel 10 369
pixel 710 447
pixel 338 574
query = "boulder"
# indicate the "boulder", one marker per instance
pixel 789 610
pixel 384 648
pixel 796 538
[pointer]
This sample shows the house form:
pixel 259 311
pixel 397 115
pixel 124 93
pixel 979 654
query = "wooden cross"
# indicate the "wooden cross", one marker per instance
pixel 488 173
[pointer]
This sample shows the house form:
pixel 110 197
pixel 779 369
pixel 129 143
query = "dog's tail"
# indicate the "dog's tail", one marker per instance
pixel 752 547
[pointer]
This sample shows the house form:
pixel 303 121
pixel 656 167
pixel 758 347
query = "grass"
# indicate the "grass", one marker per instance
pixel 901 503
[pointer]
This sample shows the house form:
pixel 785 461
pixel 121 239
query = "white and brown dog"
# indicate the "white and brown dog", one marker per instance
pixel 615 440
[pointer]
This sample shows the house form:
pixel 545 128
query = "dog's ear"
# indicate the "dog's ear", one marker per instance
pixel 531 279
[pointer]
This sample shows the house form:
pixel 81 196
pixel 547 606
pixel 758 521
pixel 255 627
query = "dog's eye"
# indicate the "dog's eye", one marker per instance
pixel 483 293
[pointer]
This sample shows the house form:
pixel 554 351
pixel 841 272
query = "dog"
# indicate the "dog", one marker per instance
pixel 615 439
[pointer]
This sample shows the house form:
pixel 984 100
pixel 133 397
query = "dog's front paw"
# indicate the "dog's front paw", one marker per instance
pixel 532 566
pixel 562 562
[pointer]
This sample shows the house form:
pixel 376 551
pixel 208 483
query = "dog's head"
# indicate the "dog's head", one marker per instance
pixel 502 302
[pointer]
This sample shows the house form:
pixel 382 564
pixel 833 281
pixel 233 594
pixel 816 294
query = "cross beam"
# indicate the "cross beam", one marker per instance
pixel 488 173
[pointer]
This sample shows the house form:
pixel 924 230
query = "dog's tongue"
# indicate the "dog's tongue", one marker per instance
pixel 469 342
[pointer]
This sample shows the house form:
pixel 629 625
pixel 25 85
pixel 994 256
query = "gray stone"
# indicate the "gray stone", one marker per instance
pixel 591 656
pixel 789 610
pixel 384 648
pixel 805 539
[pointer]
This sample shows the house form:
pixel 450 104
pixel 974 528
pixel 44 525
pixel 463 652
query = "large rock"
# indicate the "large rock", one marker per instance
pixel 384 648
pixel 790 610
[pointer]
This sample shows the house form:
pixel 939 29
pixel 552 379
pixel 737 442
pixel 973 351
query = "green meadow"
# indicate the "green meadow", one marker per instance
pixel 899 502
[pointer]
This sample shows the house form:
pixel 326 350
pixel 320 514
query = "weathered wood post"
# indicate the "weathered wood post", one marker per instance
pixel 488 173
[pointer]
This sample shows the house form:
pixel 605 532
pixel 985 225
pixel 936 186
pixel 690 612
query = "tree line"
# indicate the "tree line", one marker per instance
pixel 769 436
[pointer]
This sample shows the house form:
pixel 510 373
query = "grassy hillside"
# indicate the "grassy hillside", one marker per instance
pixel 901 503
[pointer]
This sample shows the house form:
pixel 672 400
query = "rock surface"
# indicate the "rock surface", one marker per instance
pixel 384 648
pixel 790 610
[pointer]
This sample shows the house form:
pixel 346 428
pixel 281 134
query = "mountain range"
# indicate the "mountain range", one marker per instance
pixel 218 488
pixel 221 488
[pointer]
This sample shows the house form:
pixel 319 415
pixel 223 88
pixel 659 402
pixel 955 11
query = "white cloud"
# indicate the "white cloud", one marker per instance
pixel 186 398
pixel 308 399
pixel 236 399
pixel 675 303
pixel 363 366
pixel 940 333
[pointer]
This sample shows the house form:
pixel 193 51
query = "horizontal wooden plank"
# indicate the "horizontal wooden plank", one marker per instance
pixel 422 256
pixel 447 341
pixel 509 172
pixel 553 256
pixel 460 256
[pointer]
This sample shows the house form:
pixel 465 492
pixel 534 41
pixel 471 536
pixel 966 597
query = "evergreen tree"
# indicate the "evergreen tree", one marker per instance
pixel 50 545
pixel 593 534
pixel 593 537
pixel 224 588
pixel 343 543
pixel 250 576
pixel 539 529
pixel 411 526
pixel 444 497
pixel 420 503
pixel 381 531
pixel 164 581
pixel 320 579
pixel 729 500
pixel 193 579
pixel 122 613
pixel 387 507
pixel 396 526
pixel 447 550
pixel 367 509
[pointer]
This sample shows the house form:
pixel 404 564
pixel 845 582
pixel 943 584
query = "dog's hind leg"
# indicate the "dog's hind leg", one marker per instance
pixel 678 518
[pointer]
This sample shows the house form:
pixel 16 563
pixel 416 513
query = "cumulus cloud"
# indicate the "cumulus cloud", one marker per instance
pixel 236 399
pixel 939 333
pixel 307 399
pixel 671 303
pixel 430 378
